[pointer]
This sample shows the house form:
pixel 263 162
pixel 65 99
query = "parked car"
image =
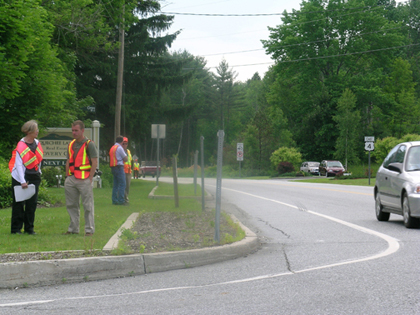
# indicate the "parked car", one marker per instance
pixel 329 168
pixel 310 167
pixel 397 187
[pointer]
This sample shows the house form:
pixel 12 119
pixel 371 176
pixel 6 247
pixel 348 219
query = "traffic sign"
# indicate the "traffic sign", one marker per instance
pixel 369 139
pixel 369 146
pixel 239 151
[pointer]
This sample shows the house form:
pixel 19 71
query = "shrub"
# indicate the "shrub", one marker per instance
pixel 285 167
pixel 49 174
pixel 284 154
pixel 5 185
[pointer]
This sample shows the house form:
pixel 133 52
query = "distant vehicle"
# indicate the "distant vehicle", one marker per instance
pixel 310 167
pixel 329 168
pixel 148 168
pixel 397 187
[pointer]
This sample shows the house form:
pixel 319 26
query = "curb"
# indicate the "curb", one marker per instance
pixel 51 272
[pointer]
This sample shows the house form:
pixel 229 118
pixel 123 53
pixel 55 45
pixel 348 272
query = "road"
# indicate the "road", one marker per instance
pixel 322 252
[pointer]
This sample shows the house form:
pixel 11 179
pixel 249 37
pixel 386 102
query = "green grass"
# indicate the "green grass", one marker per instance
pixel 167 189
pixel 50 223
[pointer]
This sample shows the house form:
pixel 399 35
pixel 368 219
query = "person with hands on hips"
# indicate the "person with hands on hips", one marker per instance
pixel 81 164
pixel 25 167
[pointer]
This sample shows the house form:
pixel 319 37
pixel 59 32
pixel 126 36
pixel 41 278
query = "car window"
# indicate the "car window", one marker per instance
pixel 413 159
pixel 334 164
pixel 390 158
pixel 399 156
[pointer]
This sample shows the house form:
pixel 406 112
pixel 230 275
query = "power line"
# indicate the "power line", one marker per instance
pixel 266 14
pixel 314 58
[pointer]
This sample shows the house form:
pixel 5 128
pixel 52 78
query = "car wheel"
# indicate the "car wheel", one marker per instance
pixel 380 214
pixel 409 221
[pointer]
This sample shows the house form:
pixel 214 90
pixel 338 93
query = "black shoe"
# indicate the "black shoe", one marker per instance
pixel 18 232
pixel 30 233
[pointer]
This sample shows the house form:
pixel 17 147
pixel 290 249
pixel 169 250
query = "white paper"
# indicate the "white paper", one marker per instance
pixel 24 194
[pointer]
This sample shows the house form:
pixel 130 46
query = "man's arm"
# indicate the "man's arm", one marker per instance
pixel 93 169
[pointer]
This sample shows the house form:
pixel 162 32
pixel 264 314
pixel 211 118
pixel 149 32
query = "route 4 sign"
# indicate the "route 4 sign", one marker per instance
pixel 369 146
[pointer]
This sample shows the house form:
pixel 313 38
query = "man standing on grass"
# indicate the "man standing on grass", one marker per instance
pixel 82 160
pixel 117 158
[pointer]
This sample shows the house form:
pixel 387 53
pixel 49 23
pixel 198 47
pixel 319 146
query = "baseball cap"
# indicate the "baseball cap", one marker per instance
pixel 125 139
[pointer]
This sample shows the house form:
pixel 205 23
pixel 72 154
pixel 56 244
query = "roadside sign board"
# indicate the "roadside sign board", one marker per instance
pixel 369 139
pixel 369 146
pixel 239 151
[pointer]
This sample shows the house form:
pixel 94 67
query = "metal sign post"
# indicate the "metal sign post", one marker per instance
pixel 220 135
pixel 369 146
pixel 203 205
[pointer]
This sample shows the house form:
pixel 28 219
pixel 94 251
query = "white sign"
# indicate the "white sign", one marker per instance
pixel 239 151
pixel 369 146
pixel 162 131
pixel 369 139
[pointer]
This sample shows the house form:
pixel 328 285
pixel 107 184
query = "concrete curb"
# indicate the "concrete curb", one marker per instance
pixel 128 224
pixel 50 272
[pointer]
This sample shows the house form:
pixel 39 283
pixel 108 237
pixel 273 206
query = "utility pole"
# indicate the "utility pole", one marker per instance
pixel 119 79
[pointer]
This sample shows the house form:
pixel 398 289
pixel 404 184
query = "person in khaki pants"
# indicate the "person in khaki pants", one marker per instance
pixel 82 160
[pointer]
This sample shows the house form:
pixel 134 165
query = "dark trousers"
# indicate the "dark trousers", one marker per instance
pixel 23 212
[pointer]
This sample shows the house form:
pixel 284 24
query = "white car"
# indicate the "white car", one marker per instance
pixel 397 188
pixel 310 167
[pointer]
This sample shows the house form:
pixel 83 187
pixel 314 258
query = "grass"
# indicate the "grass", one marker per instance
pixel 349 181
pixel 51 223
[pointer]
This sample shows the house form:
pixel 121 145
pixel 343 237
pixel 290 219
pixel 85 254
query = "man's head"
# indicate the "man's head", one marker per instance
pixel 119 139
pixel 125 142
pixel 78 129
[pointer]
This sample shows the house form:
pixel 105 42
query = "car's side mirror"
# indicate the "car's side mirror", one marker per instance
pixel 396 167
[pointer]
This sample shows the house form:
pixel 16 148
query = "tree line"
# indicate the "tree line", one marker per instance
pixel 342 71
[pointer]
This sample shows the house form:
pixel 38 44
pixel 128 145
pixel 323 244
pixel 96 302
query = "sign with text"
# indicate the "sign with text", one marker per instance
pixel 239 151
pixel 55 141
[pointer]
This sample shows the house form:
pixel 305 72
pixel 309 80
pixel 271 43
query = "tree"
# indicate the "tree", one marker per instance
pixel 347 120
pixel 224 81
pixel 34 82
pixel 320 50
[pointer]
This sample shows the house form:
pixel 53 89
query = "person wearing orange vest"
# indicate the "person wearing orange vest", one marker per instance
pixel 127 169
pixel 25 167
pixel 81 164
pixel 136 169
pixel 117 158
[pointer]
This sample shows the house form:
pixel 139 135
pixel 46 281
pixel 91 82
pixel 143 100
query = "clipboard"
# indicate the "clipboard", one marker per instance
pixel 24 194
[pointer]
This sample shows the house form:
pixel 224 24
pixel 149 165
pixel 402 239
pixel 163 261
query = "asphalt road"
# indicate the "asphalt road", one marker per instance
pixel 322 252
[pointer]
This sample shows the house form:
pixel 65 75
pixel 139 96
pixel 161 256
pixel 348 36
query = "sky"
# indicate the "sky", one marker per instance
pixel 219 37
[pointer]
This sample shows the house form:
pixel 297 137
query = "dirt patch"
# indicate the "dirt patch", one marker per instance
pixel 153 232
pixel 168 231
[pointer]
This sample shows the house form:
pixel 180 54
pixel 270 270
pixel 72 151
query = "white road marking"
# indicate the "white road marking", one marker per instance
pixel 393 246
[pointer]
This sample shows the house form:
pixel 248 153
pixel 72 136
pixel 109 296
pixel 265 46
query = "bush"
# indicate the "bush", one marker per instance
pixel 5 184
pixel 284 154
pixel 285 167
pixel 49 174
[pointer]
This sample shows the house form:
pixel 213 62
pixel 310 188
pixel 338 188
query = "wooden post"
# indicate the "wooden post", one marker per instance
pixel 174 169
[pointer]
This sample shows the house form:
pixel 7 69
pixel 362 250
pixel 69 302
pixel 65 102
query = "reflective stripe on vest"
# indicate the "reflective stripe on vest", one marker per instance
pixel 80 165
pixel 29 159
pixel 127 165
pixel 113 155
